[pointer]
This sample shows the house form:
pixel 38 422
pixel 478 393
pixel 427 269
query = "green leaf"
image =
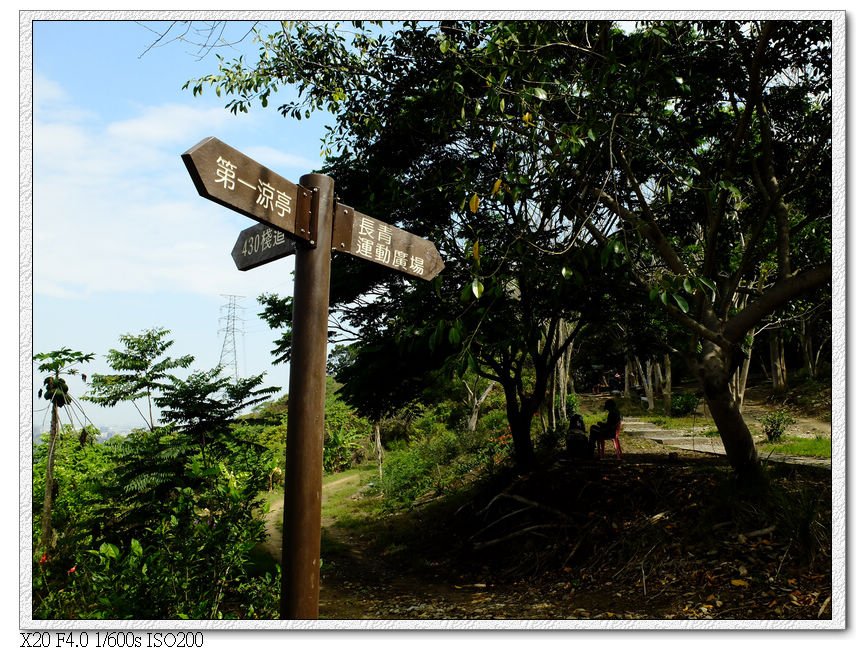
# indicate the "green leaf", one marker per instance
pixel 708 287
pixel 653 294
pixel 540 93
pixel 477 288
pixel 454 336
pixel 135 545
pixel 683 304
pixel 567 273
pixel 689 287
pixel 663 295
pixel 109 550
pixel 502 105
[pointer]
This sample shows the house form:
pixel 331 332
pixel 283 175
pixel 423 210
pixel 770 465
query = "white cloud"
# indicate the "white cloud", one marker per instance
pixel 52 101
pixel 166 124
pixel 114 209
pixel 282 162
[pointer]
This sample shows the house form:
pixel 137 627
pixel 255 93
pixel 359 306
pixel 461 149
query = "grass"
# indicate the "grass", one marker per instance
pixel 339 488
pixel 684 422
pixel 819 447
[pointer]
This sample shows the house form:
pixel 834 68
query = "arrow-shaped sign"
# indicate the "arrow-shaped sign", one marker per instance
pixel 259 245
pixel 228 177
pixel 234 180
pixel 376 241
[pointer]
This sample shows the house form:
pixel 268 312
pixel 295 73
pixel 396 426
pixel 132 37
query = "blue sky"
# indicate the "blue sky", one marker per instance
pixel 121 240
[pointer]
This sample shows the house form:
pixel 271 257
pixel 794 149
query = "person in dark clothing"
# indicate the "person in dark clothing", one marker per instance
pixel 576 442
pixel 606 430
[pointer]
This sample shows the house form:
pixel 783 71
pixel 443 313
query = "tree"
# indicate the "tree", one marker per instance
pixel 699 150
pixel 722 164
pixel 55 389
pixel 203 405
pixel 192 453
pixel 502 304
pixel 142 369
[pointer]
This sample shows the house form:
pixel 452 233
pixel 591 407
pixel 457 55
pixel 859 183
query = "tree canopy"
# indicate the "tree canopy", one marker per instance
pixel 559 164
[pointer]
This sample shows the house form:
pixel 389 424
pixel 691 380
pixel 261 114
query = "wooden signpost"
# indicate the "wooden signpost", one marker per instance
pixel 307 214
pixel 260 244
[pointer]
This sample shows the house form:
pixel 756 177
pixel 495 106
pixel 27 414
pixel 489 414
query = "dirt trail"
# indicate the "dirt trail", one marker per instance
pixel 273 520
pixel 362 578
pixel 358 584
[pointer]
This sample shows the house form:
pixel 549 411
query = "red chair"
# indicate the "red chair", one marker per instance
pixel 616 443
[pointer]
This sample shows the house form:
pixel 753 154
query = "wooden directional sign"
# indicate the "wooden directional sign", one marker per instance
pixel 370 239
pixel 259 245
pixel 232 179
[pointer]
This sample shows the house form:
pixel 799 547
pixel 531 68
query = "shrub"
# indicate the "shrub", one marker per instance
pixel 426 465
pixel 776 423
pixel 572 404
pixel 493 423
pixel 683 404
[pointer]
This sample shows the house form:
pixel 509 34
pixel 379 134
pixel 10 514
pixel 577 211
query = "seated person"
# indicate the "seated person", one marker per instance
pixel 576 443
pixel 577 424
pixel 606 430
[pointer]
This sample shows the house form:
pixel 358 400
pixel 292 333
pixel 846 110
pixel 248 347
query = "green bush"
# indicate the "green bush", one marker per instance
pixel 493 423
pixel 776 423
pixel 406 474
pixel 683 404
pixel 572 404
pixel 427 465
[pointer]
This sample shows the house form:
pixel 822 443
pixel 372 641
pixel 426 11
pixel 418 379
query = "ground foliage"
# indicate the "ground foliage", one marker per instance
pixel 656 536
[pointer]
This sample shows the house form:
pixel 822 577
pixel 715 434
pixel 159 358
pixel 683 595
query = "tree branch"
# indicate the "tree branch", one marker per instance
pixel 782 292
pixel 647 228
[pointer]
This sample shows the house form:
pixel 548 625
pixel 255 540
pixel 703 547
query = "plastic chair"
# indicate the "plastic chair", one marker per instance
pixel 616 443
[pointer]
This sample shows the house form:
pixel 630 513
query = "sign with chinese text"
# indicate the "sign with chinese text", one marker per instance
pixel 259 245
pixel 232 179
pixel 370 239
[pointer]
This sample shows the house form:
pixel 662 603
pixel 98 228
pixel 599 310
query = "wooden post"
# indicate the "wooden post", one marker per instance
pixel 308 214
pixel 301 542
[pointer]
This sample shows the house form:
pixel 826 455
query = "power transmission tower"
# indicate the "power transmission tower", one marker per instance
pixel 231 324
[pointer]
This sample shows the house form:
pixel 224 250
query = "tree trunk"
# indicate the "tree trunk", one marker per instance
pixel 524 453
pixel 740 380
pixel 776 363
pixel 668 385
pixel 564 371
pixel 475 405
pixel 646 378
pixel 379 450
pixel 714 374
pixel 48 503
pixel 627 391
pixel 520 422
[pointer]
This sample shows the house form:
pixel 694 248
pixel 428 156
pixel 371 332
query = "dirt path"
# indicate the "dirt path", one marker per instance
pixel 359 584
pixel 367 573
pixel 273 519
